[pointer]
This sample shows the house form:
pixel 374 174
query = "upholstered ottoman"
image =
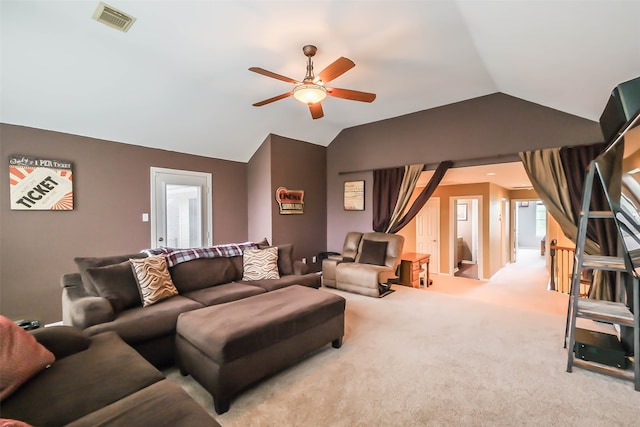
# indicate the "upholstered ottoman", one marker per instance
pixel 230 346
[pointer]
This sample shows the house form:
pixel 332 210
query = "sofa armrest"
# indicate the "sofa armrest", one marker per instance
pixel 300 268
pixel 62 341
pixel 329 270
pixel 81 309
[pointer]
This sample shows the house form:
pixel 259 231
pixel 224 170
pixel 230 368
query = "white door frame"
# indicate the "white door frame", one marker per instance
pixel 453 227
pixel 180 176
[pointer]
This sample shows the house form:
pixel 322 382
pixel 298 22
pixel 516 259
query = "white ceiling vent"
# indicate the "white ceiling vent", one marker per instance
pixel 113 17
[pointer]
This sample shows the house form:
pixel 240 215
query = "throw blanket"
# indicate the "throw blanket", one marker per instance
pixel 176 256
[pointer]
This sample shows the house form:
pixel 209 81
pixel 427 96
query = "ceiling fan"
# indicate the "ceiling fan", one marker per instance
pixel 312 90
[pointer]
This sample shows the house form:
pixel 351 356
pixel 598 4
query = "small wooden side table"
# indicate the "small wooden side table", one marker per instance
pixel 411 267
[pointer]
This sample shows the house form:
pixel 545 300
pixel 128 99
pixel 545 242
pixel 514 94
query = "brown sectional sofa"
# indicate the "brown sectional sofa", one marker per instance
pixel 100 381
pixel 151 330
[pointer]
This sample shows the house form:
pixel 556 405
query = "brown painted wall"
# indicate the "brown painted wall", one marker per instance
pixel 260 196
pixel 489 126
pixel 299 165
pixel 111 191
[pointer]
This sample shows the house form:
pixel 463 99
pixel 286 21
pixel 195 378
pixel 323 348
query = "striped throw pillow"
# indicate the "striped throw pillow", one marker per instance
pixel 153 278
pixel 260 264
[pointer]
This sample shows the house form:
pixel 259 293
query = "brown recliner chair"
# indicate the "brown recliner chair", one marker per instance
pixel 349 252
pixel 375 263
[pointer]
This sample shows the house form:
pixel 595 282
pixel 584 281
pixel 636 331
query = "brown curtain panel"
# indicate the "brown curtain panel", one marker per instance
pixel 386 187
pixel 575 161
pixel 411 175
pixel 424 195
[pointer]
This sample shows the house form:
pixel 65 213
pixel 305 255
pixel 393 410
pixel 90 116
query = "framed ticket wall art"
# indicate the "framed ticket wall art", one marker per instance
pixel 354 195
pixel 40 184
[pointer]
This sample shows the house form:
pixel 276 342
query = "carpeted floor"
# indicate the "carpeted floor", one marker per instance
pixel 457 353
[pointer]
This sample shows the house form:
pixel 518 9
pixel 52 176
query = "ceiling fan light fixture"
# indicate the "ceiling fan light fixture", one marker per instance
pixel 309 93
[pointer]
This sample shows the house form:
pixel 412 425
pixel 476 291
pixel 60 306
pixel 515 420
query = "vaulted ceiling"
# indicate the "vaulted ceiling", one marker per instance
pixel 179 80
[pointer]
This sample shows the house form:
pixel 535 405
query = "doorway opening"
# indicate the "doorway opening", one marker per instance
pixel 530 226
pixel 465 242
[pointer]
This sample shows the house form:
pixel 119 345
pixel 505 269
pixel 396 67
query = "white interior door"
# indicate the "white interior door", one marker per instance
pixel 180 208
pixel 428 232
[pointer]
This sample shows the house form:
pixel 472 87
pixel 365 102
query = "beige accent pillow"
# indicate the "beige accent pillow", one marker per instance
pixel 259 264
pixel 153 278
pixel 21 357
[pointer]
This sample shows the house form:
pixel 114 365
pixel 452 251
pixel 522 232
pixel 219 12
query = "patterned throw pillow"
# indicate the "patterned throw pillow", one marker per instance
pixel 260 264
pixel 153 278
pixel 21 357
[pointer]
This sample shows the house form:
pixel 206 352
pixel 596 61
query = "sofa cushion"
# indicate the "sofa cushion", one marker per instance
pixel 203 273
pixel 311 280
pixel 224 293
pixel 21 357
pixel 77 385
pixel 87 262
pixel 162 404
pixel 373 252
pixel 141 324
pixel 237 263
pixel 117 284
pixel 260 264
pixel 153 278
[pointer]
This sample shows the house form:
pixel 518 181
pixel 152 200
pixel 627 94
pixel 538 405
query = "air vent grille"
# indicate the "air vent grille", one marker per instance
pixel 113 17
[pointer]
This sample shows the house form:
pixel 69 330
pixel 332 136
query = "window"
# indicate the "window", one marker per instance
pixel 541 220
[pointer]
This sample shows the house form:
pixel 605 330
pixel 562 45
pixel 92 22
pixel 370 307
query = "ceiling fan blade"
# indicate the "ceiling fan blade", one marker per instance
pixel 273 75
pixel 274 99
pixel 336 69
pixel 316 110
pixel 353 95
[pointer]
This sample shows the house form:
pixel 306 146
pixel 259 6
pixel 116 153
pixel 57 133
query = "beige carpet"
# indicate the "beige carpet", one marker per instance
pixel 455 354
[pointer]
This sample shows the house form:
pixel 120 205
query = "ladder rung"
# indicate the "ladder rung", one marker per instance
pixel 600 214
pixel 601 262
pixel 604 369
pixel 614 312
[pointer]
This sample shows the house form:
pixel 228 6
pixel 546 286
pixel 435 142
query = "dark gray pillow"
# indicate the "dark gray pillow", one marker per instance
pixel 262 244
pixel 373 252
pixel 117 284
pixel 285 259
pixel 91 262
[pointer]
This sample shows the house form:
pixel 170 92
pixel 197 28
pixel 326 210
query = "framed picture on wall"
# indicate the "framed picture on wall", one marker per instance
pixel 462 211
pixel 40 184
pixel 354 195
